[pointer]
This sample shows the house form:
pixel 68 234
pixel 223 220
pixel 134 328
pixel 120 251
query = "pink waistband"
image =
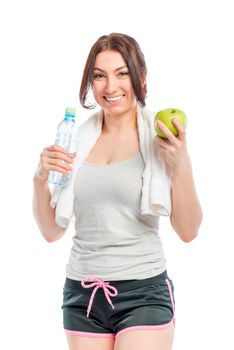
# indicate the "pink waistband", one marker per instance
pixel 99 283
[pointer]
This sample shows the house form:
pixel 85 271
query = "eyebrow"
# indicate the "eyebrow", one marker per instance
pixel 101 70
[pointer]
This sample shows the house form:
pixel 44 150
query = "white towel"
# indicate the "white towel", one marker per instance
pixel 156 188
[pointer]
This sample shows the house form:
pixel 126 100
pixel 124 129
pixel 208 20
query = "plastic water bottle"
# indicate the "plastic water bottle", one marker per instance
pixel 65 139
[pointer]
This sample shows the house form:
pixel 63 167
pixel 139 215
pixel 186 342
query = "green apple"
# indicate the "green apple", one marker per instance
pixel 166 116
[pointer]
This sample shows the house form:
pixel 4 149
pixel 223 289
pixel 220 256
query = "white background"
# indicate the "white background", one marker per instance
pixel 188 50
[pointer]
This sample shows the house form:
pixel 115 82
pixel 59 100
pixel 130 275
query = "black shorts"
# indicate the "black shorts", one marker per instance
pixel 94 307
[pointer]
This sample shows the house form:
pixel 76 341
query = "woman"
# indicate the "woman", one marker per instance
pixel 117 256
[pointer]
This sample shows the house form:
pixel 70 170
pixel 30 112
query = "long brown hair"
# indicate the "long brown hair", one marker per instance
pixel 133 57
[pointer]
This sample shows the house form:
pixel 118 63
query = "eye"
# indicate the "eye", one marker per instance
pixel 98 76
pixel 123 74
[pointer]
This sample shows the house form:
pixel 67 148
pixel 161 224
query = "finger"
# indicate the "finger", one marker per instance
pixel 165 146
pixel 72 155
pixel 58 148
pixel 58 162
pixel 60 156
pixel 58 169
pixel 44 168
pixel 54 152
pixel 55 165
pixel 167 132
pixel 180 129
pixel 162 142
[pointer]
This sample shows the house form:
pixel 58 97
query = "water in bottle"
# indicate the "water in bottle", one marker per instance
pixel 65 139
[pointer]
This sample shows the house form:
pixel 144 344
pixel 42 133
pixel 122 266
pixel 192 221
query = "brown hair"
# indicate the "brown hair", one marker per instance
pixel 133 57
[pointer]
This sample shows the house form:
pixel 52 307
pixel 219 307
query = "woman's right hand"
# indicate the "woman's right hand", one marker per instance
pixel 54 158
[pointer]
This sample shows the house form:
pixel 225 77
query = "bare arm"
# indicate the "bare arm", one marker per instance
pixel 52 158
pixel 186 214
pixel 43 213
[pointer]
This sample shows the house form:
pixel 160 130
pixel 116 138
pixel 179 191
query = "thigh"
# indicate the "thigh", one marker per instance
pixel 146 339
pixel 89 343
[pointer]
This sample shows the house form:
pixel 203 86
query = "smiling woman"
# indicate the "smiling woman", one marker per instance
pixel 117 251
pixel 113 89
pixel 131 60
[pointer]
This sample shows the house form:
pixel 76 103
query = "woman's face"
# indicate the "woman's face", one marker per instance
pixel 112 87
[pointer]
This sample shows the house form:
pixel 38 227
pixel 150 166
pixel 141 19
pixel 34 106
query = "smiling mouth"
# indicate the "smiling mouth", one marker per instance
pixel 113 99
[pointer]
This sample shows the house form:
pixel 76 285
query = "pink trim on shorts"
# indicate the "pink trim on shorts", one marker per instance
pixel 145 328
pixel 157 327
pixel 90 334
pixel 171 297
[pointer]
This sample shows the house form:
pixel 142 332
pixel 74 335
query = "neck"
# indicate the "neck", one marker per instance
pixel 117 124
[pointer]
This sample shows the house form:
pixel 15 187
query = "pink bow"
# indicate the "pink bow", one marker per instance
pixel 99 283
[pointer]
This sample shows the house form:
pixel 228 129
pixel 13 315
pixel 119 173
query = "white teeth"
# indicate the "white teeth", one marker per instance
pixel 113 99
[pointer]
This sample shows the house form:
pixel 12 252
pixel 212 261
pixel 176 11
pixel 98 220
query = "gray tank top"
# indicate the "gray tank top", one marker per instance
pixel 113 240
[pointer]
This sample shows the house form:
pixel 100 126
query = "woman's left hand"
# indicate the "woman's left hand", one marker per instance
pixel 173 149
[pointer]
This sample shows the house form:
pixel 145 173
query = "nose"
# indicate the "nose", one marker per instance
pixel 111 85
